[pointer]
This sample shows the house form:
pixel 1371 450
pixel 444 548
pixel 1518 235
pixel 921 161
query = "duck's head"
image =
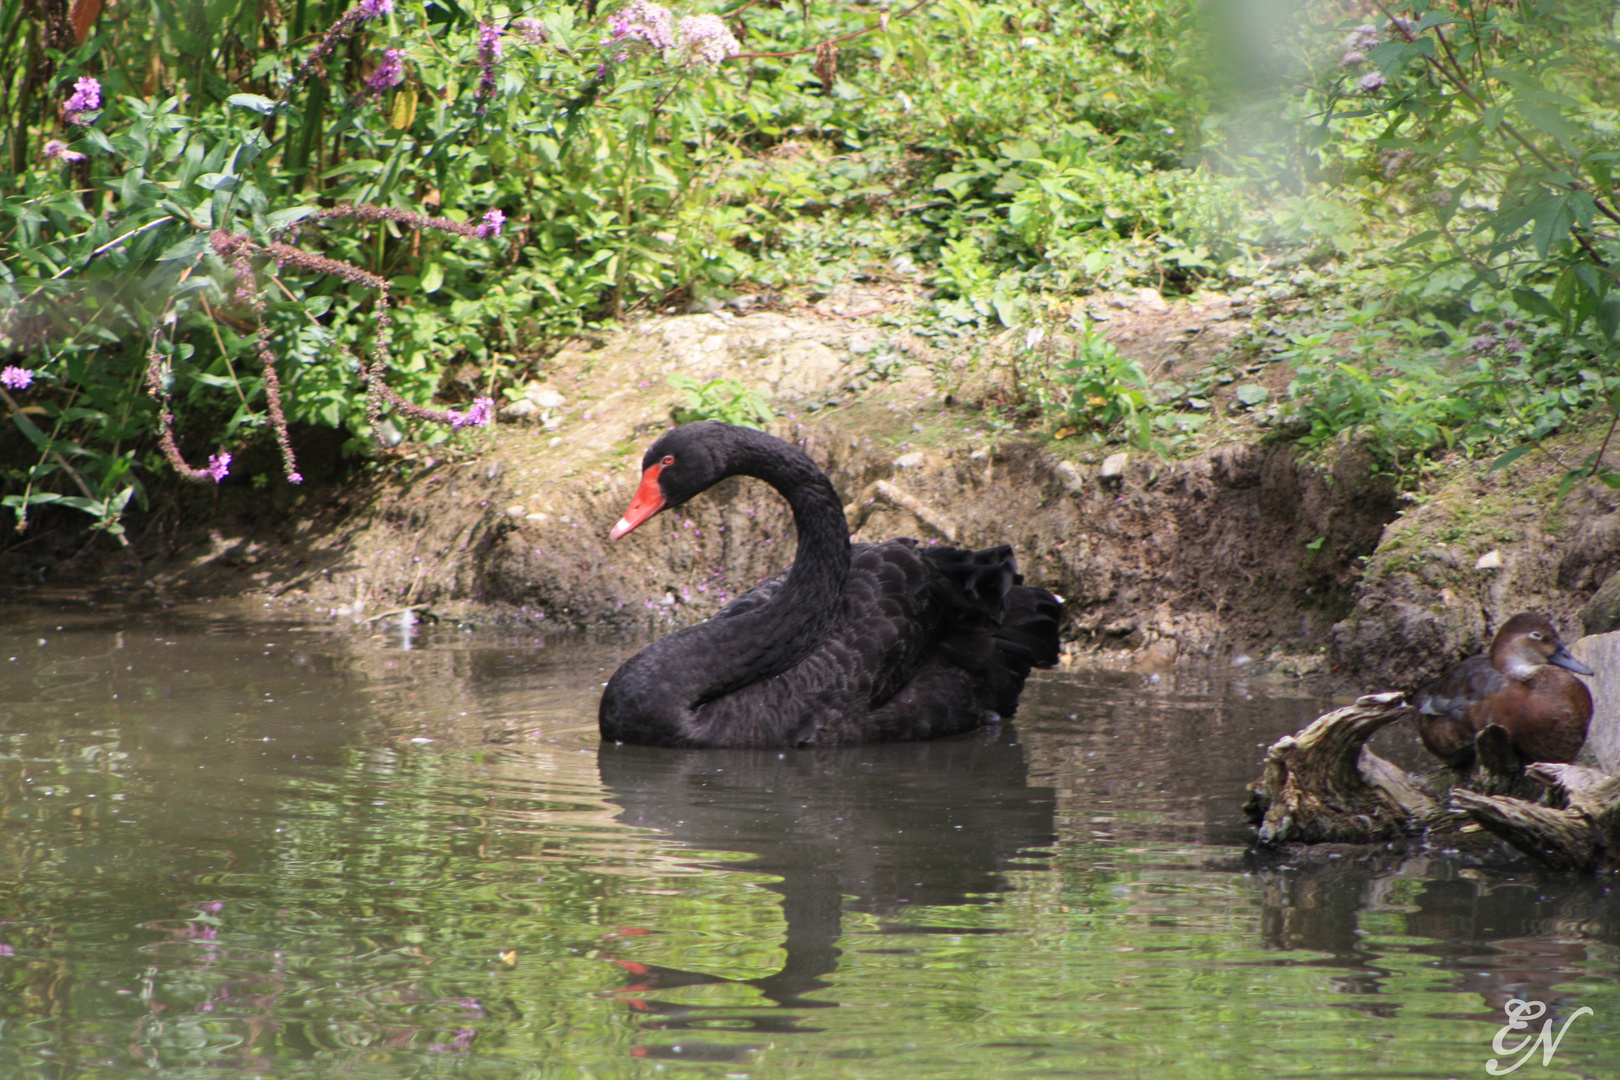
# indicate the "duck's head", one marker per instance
pixel 1526 642
pixel 685 461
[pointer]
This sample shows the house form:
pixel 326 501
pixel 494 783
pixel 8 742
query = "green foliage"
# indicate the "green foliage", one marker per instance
pixel 720 399
pixel 1489 129
pixel 1457 173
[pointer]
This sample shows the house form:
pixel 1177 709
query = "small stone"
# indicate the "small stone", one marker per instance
pixel 909 461
pixel 1113 468
pixel 544 396
pixel 517 511
pixel 538 518
pixel 1070 478
pixel 1491 560
pixel 1602 613
pixel 519 410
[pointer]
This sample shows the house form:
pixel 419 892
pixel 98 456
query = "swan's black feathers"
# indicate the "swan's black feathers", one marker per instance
pixel 855 643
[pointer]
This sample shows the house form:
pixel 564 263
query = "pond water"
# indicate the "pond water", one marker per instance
pixel 232 846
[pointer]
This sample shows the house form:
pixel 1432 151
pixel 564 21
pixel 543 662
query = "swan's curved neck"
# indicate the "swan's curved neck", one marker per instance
pixel 773 637
pixel 822 561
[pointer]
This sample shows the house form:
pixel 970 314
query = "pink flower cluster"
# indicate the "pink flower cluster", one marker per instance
pixel 697 41
pixel 532 30
pixel 491 228
pixel 480 415
pixel 705 40
pixel 16 378
pixel 375 9
pixel 219 466
pixel 57 150
pixel 643 21
pixel 86 98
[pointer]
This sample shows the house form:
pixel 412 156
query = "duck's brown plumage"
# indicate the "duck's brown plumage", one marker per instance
pixel 1524 685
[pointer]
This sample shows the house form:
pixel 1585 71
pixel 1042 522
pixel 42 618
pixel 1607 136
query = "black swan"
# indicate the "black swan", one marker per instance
pixel 853 643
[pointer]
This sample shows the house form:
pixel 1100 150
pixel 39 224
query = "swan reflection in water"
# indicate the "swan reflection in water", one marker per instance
pixel 875 829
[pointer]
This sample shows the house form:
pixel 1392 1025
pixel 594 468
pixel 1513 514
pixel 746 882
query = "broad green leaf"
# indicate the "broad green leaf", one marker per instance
pixel 1608 316
pixel 283 218
pixel 1533 302
pixel 30 431
pixel 1547 120
pixel 1553 221
pixel 1510 457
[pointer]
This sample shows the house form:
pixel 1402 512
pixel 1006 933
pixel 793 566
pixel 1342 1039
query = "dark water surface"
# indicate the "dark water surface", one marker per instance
pixel 235 847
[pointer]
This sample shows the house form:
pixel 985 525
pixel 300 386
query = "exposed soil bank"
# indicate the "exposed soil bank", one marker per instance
pixel 1245 553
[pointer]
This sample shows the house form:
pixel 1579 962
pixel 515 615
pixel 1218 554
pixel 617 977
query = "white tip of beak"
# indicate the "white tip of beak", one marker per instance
pixel 620 529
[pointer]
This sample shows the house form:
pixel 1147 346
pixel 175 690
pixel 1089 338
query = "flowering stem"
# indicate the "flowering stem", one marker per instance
pixel 22 521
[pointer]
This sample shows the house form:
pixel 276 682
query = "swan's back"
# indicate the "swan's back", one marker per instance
pixel 930 642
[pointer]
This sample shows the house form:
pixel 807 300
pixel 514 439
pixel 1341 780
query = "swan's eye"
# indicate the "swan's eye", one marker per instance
pixel 669 459
pixel 1535 635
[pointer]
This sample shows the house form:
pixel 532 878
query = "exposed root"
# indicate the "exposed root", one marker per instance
pixel 857 511
pixel 1323 784
pixel 1578 828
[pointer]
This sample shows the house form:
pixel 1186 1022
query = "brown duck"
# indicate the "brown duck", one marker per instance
pixel 1523 685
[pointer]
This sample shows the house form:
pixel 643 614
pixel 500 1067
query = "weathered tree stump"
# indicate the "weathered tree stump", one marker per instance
pixel 1323 784
pixel 1577 827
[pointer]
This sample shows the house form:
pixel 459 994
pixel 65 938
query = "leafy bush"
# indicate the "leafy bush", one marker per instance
pixel 720 399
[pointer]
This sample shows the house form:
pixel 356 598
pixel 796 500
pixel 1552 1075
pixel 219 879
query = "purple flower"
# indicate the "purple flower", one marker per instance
pixel 489 54
pixel 481 413
pixel 16 378
pixel 705 41
pixel 375 9
pixel 86 98
pixel 1371 82
pixel 492 224
pixel 532 30
pixel 489 42
pixel 295 478
pixel 219 466
pixel 1362 38
pixel 1353 58
pixel 7 950
pixel 57 150
pixel 391 72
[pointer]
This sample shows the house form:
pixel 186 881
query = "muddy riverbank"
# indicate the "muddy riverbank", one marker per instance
pixel 1247 553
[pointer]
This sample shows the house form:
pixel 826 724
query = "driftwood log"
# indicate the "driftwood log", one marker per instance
pixel 1323 785
pixel 1575 826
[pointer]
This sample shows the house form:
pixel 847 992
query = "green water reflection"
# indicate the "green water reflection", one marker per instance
pixel 234 848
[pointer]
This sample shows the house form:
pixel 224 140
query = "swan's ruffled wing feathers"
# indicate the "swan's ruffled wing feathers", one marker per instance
pixel 969 612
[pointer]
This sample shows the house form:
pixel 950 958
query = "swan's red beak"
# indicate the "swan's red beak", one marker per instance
pixel 647 502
